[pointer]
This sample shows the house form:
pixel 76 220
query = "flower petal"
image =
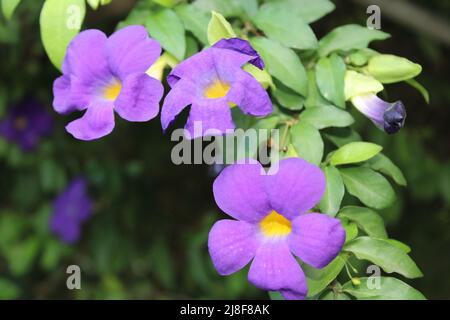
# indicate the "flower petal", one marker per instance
pixel 249 95
pixel 274 268
pixel 209 118
pixel 238 191
pixel 232 244
pixel 86 58
pixel 97 122
pixel 243 47
pixel 208 64
pixel 294 186
pixel 176 100
pixel 139 98
pixel 131 50
pixel 61 93
pixel 316 239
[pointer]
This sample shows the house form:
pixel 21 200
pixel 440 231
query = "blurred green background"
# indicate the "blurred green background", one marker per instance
pixel 147 238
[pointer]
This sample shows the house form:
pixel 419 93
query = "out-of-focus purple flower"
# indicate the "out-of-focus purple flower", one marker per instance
pixel 272 225
pixel 389 117
pixel 26 123
pixel 70 209
pixel 102 75
pixel 211 81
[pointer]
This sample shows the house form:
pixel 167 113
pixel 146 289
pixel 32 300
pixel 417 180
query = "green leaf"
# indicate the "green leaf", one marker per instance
pixel 404 247
pixel 390 289
pixel 387 256
pixel 195 21
pixel 330 75
pixel 334 192
pixel 96 3
pixel 315 98
pixel 367 220
pixel 166 3
pixel 354 152
pixel 413 83
pixel 287 97
pixel 331 295
pixel 60 22
pixel 21 256
pixel 309 10
pixel 275 295
pixel 167 28
pixel 368 186
pixel 351 230
pixel 342 136
pixel 277 20
pixel 219 28
pixel 262 76
pixel 8 7
pixel 384 165
pixel 307 142
pixel 8 290
pixel 319 279
pixel 283 64
pixel 327 116
pixel 388 68
pixel 237 8
pixel 349 37
pixel 359 84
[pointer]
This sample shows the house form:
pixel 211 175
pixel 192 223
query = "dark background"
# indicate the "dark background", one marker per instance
pixel 147 239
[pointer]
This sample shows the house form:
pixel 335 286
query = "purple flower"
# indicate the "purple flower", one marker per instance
pixel 211 81
pixel 26 124
pixel 272 225
pixel 102 75
pixel 72 207
pixel 389 117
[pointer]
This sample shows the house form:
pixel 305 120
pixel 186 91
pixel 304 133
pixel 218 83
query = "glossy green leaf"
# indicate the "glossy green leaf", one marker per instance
pixel 355 152
pixel 351 229
pixel 166 27
pixel 8 7
pixel 359 84
pixel 402 246
pixel 384 165
pixel 382 253
pixel 341 136
pixel 307 142
pixel 195 21
pixel 367 220
pixel 368 186
pixel 287 97
pixel 334 192
pixel 327 116
pixel 330 77
pixel 308 10
pixel 314 98
pixel 283 64
pixel 349 37
pixel 60 22
pixel 389 289
pixel 388 68
pixel 219 28
pixel 319 279
pixel 277 20
pixel 331 295
pixel 229 8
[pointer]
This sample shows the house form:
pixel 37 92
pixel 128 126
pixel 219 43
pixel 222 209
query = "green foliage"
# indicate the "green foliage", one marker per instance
pixel 8 7
pixel 388 68
pixel 307 142
pixel 334 193
pixel 323 117
pixel 219 28
pixel 167 28
pixel 330 75
pixel 355 152
pixel 60 22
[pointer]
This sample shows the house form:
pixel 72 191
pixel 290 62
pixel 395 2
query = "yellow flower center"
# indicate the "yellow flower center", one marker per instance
pixel 275 225
pixel 111 92
pixel 217 89
pixel 20 123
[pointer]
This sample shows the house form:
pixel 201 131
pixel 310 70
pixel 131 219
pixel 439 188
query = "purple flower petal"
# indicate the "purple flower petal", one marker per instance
pixel 241 46
pixel 139 98
pixel 249 95
pixel 316 239
pixel 176 100
pixel 232 244
pixel 62 96
pixel 208 64
pixel 130 50
pixel 274 268
pixel 209 118
pixel 70 210
pixel 295 188
pixel 238 191
pixel 97 122
pixel 86 57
